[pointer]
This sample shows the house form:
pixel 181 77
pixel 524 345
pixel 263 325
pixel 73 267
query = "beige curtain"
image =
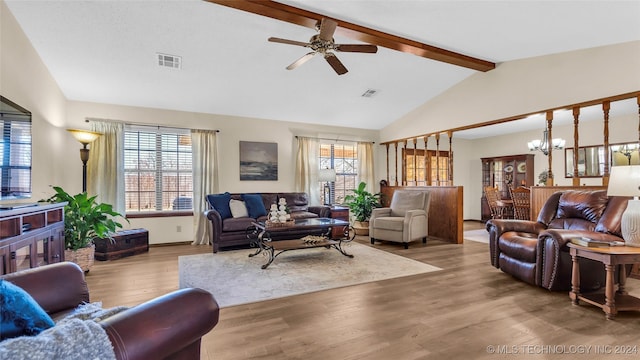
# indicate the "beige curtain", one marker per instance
pixel 106 164
pixel 307 168
pixel 205 180
pixel 365 166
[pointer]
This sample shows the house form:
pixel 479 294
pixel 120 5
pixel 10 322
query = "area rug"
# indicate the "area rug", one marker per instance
pixel 234 278
pixel 480 235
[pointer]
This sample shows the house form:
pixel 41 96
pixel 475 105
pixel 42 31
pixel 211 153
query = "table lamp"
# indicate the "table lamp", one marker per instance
pixel 625 181
pixel 327 176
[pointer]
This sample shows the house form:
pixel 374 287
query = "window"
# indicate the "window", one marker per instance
pixel 344 159
pixel 157 167
pixel 15 147
pixel 414 167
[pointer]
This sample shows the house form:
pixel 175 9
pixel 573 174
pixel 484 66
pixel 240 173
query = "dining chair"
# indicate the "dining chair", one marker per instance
pixel 497 206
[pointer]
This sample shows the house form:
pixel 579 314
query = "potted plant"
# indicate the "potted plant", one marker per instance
pixel 543 177
pixel 84 220
pixel 361 204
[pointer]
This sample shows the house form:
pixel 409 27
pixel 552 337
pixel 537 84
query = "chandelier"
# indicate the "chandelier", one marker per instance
pixel 545 145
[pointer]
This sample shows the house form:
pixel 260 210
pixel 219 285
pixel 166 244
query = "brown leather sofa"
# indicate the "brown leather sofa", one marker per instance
pixel 232 232
pixel 169 326
pixel 536 251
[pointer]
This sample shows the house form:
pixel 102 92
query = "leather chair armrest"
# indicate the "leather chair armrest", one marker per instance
pixel 163 326
pixel 561 236
pixel 497 227
pixel 216 227
pixel 500 226
pixel 551 271
pixel 322 211
pixel 55 287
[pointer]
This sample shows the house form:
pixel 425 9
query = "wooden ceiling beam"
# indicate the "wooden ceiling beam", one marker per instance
pixel 309 19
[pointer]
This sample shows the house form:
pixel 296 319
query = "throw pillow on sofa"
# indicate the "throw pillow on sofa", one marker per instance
pixel 254 204
pixel 238 208
pixel 220 202
pixel 20 314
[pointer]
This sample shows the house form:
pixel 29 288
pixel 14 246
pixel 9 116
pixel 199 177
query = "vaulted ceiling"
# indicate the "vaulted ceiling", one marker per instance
pixel 106 52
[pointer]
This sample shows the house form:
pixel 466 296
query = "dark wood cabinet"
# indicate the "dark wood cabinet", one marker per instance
pixel 504 171
pixel 30 237
pixel 340 213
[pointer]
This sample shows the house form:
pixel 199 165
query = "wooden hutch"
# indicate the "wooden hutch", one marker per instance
pixel 504 171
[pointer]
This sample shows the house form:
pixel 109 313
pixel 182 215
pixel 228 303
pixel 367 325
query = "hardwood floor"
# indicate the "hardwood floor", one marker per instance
pixel 461 312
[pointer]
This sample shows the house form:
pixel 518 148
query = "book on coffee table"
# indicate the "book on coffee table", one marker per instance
pixel 583 241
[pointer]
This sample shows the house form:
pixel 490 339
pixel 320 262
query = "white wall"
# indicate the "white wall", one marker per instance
pixel 526 86
pixel 25 80
pixel 467 171
pixel 513 88
pixel 232 131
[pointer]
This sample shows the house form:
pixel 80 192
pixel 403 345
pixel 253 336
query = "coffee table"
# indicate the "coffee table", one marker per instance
pixel 266 234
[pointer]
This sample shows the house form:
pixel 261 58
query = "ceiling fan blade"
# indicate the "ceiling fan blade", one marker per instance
pixel 335 63
pixel 289 42
pixel 301 61
pixel 327 28
pixel 372 49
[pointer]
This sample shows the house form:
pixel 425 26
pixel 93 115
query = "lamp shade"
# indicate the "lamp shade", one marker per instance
pixel 624 181
pixel 327 175
pixel 84 136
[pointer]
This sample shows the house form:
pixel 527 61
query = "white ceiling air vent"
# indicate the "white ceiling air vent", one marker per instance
pixel 170 61
pixel 369 93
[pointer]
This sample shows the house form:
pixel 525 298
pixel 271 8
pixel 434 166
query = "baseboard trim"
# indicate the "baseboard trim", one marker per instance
pixel 171 244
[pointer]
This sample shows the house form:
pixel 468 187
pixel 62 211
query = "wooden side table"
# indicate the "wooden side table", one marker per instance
pixel 340 213
pixel 611 301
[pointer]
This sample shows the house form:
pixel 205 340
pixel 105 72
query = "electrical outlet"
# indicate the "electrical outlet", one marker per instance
pixel 179 228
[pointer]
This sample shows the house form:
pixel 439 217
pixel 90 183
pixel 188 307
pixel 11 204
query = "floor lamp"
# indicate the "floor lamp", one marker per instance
pixel 326 176
pixel 84 137
pixel 625 181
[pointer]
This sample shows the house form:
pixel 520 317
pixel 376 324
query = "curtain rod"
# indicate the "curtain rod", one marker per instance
pixel 319 138
pixel 143 124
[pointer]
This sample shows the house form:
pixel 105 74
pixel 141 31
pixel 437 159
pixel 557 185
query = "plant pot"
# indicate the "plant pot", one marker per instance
pixel 83 257
pixel 361 228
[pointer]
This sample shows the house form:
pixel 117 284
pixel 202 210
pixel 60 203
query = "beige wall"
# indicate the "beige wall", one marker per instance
pixel 25 80
pixel 232 131
pixel 467 155
pixel 526 86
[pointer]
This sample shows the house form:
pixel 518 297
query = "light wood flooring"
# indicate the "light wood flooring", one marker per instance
pixel 466 311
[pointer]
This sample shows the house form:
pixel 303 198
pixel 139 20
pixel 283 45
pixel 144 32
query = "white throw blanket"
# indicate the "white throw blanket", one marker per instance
pixel 77 336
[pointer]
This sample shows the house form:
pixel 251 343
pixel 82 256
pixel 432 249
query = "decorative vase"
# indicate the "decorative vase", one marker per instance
pixel 84 257
pixel 630 224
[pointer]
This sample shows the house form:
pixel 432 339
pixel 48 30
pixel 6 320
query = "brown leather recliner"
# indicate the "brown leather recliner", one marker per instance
pixel 536 251
pixel 170 326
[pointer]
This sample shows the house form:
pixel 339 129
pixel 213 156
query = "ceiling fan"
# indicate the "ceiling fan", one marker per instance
pixel 323 44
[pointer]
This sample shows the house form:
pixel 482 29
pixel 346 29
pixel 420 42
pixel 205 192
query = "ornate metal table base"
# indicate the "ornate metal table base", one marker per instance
pixel 275 248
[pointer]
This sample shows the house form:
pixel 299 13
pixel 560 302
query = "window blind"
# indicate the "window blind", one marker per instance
pixel 15 150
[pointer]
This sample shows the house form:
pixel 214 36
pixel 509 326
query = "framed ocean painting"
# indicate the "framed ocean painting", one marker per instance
pixel 258 160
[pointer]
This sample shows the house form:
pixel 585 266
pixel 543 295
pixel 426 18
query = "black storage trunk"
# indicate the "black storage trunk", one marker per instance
pixel 125 243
